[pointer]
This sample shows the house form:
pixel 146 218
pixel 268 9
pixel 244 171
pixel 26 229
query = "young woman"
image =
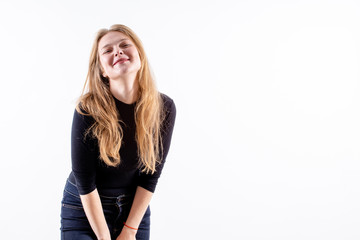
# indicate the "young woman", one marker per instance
pixel 120 138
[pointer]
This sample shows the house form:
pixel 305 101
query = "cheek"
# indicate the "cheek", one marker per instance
pixel 135 54
pixel 104 62
pixel 103 68
pixel 105 59
pixel 138 61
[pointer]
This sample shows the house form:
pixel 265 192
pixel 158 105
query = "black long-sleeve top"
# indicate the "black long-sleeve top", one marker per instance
pixel 90 172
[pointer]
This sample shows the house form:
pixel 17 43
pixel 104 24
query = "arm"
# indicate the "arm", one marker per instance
pixel 84 160
pixel 94 213
pixel 147 182
pixel 140 204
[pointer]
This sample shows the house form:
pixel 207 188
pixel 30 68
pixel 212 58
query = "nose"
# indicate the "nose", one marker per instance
pixel 119 52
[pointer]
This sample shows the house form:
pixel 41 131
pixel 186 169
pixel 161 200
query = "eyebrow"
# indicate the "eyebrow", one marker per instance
pixel 107 45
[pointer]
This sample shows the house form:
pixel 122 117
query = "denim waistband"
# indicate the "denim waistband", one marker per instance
pixel 122 193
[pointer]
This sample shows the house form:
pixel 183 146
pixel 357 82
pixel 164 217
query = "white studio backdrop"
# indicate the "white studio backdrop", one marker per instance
pixel 266 142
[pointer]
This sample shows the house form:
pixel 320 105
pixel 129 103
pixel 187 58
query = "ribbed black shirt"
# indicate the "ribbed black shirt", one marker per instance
pixel 90 172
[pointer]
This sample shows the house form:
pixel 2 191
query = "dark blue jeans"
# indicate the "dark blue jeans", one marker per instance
pixel 75 225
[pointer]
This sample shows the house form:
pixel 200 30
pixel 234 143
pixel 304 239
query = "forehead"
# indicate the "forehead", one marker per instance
pixel 111 38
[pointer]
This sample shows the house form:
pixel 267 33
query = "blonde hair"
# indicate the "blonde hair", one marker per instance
pixel 97 101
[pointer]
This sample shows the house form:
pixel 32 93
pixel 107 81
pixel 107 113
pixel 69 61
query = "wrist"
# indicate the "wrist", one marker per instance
pixel 104 237
pixel 130 227
pixel 129 231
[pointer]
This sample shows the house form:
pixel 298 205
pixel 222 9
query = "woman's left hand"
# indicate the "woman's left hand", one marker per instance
pixel 127 234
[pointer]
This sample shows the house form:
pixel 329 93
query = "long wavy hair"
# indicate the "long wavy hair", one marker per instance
pixel 97 101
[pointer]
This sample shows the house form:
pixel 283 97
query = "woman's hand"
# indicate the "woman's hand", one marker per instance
pixel 127 234
pixel 95 214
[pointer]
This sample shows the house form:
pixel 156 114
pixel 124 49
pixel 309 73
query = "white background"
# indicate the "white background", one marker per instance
pixel 267 136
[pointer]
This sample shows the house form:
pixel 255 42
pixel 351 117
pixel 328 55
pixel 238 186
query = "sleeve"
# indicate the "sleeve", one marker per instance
pixel 149 181
pixel 83 154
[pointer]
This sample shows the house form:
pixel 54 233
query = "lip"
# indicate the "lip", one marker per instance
pixel 120 60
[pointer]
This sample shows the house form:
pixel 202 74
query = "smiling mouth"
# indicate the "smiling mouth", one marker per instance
pixel 121 60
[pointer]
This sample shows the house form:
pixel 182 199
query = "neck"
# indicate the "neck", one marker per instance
pixel 125 90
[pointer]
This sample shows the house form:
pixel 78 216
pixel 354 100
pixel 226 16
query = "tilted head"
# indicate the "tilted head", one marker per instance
pixel 99 71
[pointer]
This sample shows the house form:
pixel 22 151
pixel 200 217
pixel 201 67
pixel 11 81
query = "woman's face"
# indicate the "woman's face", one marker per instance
pixel 118 56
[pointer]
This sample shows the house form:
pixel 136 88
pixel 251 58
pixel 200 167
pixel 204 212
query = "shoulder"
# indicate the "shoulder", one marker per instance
pixel 82 117
pixel 169 112
pixel 168 103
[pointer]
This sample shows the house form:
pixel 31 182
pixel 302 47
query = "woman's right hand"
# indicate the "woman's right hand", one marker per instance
pixel 94 213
